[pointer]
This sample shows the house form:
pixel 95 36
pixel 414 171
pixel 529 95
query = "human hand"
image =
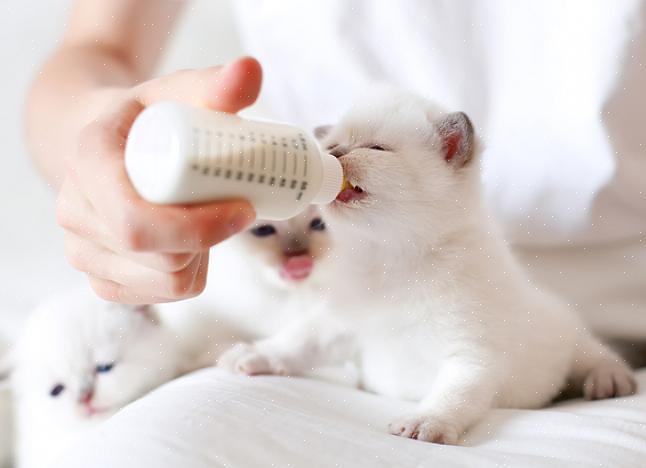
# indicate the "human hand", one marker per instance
pixel 131 250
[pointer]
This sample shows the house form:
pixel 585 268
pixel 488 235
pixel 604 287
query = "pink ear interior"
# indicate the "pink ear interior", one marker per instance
pixel 452 142
pixel 456 133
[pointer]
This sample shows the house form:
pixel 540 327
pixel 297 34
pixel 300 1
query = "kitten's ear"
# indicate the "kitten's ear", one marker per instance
pixel 322 131
pixel 456 133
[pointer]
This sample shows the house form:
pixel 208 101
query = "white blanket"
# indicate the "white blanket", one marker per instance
pixel 212 419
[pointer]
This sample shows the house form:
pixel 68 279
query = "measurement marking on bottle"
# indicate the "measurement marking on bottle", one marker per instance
pixel 205 170
pixel 239 175
pixel 217 156
pixel 217 172
pixel 274 145
pixel 272 181
pixel 261 179
pixel 209 148
pixel 263 151
pixel 250 177
pixel 195 146
pixel 299 196
pixel 227 174
pixel 284 163
pixel 282 182
pixel 293 184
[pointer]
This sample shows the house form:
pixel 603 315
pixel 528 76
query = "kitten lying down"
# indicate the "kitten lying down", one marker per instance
pixel 78 360
pixel 424 293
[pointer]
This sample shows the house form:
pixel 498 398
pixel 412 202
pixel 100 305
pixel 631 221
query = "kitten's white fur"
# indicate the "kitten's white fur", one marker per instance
pixel 62 343
pixel 425 291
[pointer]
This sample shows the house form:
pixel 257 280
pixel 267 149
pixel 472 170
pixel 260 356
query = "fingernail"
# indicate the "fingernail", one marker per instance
pixel 241 218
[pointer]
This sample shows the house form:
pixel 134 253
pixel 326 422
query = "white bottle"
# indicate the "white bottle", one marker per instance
pixel 181 154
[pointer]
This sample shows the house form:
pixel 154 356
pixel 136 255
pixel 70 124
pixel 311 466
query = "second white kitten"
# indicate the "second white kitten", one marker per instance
pixel 260 282
pixel 78 360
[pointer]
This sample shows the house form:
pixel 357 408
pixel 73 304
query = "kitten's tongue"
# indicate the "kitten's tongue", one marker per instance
pixel 350 194
pixel 297 268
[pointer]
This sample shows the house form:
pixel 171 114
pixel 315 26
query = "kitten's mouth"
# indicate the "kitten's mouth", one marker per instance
pixel 350 192
pixel 297 268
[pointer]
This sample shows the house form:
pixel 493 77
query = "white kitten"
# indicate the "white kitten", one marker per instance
pixel 78 360
pixel 274 271
pixel 427 290
pixel 259 283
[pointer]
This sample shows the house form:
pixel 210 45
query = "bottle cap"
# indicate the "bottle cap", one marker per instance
pixel 332 179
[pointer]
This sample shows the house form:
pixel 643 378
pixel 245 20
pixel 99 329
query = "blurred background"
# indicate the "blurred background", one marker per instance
pixel 32 264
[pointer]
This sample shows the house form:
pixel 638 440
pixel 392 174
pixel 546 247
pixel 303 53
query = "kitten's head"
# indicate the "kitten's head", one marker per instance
pixel 411 167
pixel 289 253
pixel 79 356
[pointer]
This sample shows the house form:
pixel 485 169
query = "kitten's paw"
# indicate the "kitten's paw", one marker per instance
pixel 609 380
pixel 244 358
pixel 426 428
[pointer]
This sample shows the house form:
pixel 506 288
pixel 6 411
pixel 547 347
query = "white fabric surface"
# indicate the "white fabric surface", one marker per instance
pixel 212 419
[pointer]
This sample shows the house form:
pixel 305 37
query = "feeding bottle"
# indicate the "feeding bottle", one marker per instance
pixel 178 154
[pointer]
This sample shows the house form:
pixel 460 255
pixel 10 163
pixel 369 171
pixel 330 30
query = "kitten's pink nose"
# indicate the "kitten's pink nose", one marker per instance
pixel 296 253
pixel 86 396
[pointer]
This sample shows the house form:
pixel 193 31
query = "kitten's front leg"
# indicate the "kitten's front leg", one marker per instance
pixel 246 358
pixel 300 348
pixel 461 395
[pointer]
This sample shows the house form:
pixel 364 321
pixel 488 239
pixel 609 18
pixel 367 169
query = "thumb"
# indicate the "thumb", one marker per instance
pixel 226 88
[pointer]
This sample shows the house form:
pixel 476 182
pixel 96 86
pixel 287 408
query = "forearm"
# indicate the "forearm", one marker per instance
pixel 97 60
pixel 71 87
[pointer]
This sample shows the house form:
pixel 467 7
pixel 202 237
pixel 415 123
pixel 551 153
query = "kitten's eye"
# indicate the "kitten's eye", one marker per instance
pixel 103 368
pixel 57 390
pixel 317 224
pixel 264 230
pixel 377 148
